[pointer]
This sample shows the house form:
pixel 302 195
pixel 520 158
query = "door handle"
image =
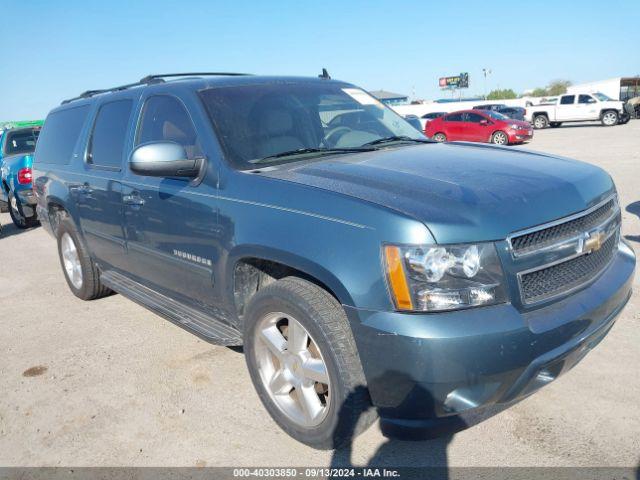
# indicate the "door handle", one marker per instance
pixel 133 199
pixel 84 189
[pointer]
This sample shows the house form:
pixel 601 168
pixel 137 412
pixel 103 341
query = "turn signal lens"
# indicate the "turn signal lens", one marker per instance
pixel 397 278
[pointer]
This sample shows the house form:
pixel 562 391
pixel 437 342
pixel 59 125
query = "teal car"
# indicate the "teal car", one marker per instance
pixel 16 158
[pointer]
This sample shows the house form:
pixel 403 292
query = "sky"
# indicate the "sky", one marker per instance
pixel 56 49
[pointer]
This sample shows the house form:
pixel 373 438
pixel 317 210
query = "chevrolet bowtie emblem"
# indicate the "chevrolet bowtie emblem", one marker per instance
pixel 593 241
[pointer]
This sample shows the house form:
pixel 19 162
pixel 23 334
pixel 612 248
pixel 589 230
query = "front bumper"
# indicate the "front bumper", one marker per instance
pixel 426 367
pixel 516 136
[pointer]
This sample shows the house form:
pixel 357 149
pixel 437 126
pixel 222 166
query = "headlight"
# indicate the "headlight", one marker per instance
pixel 515 126
pixel 435 278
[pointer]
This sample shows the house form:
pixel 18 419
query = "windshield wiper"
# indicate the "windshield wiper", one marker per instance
pixel 397 138
pixel 302 151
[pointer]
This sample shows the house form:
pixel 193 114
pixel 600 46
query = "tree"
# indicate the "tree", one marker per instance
pixel 558 87
pixel 539 92
pixel 504 94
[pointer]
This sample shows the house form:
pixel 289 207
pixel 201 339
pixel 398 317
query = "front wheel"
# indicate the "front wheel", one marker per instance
pixel 18 216
pixel 609 118
pixel 500 138
pixel 304 364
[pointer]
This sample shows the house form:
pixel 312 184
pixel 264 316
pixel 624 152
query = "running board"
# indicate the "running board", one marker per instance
pixel 203 325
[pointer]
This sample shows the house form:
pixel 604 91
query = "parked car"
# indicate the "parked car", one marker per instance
pixel 517 113
pixel 366 270
pixel 479 126
pixel 16 156
pixel 414 121
pixel 582 107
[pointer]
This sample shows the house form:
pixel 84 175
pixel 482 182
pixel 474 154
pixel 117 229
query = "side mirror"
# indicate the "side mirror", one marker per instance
pixel 163 159
pixel 484 122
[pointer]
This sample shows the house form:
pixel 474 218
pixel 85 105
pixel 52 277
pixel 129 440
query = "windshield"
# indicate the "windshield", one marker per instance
pixel 21 141
pixel 283 122
pixel 496 115
pixel 602 97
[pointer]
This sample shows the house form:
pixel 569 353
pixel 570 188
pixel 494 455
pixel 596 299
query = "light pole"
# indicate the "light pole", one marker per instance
pixel 485 72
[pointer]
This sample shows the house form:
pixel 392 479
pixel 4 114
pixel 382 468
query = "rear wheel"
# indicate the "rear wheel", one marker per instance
pixel 79 269
pixel 18 216
pixel 440 137
pixel 304 364
pixel 500 138
pixel 609 118
pixel 540 121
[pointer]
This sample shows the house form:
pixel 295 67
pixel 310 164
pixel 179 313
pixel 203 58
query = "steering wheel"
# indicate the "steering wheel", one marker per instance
pixel 337 132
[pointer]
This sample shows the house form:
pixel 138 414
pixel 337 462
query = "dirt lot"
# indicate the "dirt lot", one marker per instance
pixel 109 383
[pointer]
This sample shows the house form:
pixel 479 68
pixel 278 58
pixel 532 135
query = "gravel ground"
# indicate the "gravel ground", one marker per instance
pixel 108 383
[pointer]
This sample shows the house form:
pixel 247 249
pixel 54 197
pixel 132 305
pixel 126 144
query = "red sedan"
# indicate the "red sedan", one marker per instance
pixel 479 126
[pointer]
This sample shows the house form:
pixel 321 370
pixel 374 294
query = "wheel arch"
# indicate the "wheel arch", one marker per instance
pixel 250 267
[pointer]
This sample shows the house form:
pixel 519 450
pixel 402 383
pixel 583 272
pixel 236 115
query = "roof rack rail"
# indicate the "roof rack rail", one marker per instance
pixel 149 80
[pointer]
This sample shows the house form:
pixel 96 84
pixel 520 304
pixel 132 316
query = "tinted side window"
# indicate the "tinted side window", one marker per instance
pixel 164 119
pixel 474 118
pixel 106 145
pixel 60 134
pixel 585 99
pixel 567 99
pixel 454 117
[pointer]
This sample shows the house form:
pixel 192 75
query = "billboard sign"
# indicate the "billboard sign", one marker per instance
pixel 458 81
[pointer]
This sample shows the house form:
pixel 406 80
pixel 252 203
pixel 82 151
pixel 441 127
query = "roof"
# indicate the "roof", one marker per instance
pixel 384 95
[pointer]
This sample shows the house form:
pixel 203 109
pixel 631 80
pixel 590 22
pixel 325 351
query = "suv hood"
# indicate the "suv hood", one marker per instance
pixel 461 192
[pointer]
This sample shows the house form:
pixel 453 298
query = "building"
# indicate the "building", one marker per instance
pixel 390 98
pixel 619 88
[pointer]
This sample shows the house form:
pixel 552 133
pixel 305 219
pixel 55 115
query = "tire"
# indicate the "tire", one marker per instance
pixel 555 124
pixel 89 286
pixel 540 122
pixel 19 219
pixel 440 137
pixel 609 118
pixel 500 138
pixel 342 406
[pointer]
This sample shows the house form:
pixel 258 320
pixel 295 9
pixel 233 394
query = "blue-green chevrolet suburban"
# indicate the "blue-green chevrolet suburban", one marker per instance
pixel 366 271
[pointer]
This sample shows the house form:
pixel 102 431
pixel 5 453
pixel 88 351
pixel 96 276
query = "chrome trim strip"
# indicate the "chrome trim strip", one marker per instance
pixel 560 221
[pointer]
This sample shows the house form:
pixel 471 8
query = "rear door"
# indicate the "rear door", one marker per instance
pixel 567 108
pixel 171 223
pixel 98 189
pixel 453 126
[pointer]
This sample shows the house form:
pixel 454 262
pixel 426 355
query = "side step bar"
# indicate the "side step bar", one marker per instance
pixel 209 328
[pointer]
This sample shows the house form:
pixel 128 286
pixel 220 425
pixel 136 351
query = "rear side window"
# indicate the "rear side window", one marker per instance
pixel 21 142
pixel 106 145
pixel 59 135
pixel 164 119
pixel 567 99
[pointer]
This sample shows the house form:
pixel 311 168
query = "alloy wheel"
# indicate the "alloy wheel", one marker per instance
pixel 292 369
pixel 609 118
pixel 71 260
pixel 499 138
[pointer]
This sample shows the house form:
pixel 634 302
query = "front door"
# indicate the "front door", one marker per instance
pixel 476 127
pixel 171 223
pixel 98 189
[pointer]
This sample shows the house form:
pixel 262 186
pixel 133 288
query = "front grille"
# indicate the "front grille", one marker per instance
pixel 566 276
pixel 530 242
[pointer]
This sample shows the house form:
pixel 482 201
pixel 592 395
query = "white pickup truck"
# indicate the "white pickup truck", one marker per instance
pixel 578 107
